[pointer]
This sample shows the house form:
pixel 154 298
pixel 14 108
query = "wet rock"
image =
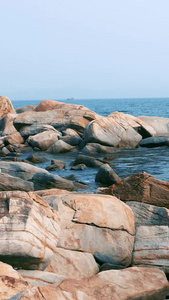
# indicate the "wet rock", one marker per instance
pixel 89 161
pixel 56 165
pixel 73 264
pixel 142 187
pixel 35 159
pixel 151 247
pixel 11 183
pixel 106 175
pixel 79 167
pixel 43 181
pixel 43 140
pixel 95 148
pixel 6 106
pixel 106 267
pixel 154 142
pixel 29 230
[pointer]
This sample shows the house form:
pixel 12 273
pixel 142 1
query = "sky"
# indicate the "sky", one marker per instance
pixel 54 49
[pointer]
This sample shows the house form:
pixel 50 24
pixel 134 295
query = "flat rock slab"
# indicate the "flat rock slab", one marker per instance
pixel 11 183
pixel 151 247
pixel 29 230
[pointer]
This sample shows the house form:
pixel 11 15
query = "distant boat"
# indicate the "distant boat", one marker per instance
pixel 70 98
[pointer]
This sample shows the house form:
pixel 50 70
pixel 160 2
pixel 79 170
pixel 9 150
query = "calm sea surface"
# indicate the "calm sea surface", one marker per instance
pixel 154 161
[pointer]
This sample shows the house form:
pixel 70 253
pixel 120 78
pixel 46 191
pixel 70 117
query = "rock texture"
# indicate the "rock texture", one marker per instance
pixel 11 183
pixel 73 264
pixel 106 175
pixel 117 130
pixel 29 230
pixel 142 187
pixel 146 214
pixel 151 247
pixel 43 140
pixel 97 223
pixel 6 106
pixel 159 124
pixel 57 114
pixel 41 278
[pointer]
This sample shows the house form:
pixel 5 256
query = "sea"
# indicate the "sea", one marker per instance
pixel 127 162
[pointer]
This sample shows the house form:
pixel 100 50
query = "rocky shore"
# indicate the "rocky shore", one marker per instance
pixel 58 242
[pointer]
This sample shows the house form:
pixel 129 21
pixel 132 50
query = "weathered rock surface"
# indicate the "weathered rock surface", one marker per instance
pixel 7 270
pixel 106 175
pixel 6 106
pixel 151 247
pixel 73 264
pixel 43 140
pixel 117 130
pixel 41 278
pixel 95 148
pixel 10 286
pixel 146 214
pixel 11 183
pixel 142 187
pixel 29 230
pixel 60 147
pixel 34 129
pixel 132 283
pixel 20 169
pixel 155 142
pixel 35 159
pixel 57 114
pixel 43 181
pixel 14 139
pixel 56 165
pixel 159 124
pixel 7 124
pixel 97 223
pixel 89 161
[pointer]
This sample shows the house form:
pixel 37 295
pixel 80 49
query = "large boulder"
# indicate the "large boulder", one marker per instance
pixel 146 214
pixel 142 187
pixel 34 129
pixel 7 124
pixel 43 140
pixel 132 283
pixel 159 124
pixel 6 106
pixel 29 230
pixel 43 181
pixel 117 130
pixel 59 115
pixel 72 264
pixel 96 224
pixel 151 247
pixel 154 142
pixel 60 147
pixel 106 175
pixel 11 183
pixel 22 170
pixel 95 148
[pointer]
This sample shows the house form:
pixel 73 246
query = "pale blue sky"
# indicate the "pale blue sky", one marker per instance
pixel 85 49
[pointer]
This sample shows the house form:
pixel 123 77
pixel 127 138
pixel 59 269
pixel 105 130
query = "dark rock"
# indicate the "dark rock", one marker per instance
pixel 107 266
pixel 56 165
pixel 106 175
pixel 43 181
pixel 79 167
pixel 89 161
pixel 154 142
pixel 11 183
pixel 35 159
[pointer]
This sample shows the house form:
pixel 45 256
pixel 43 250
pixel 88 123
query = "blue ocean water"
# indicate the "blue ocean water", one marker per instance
pixel 154 161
